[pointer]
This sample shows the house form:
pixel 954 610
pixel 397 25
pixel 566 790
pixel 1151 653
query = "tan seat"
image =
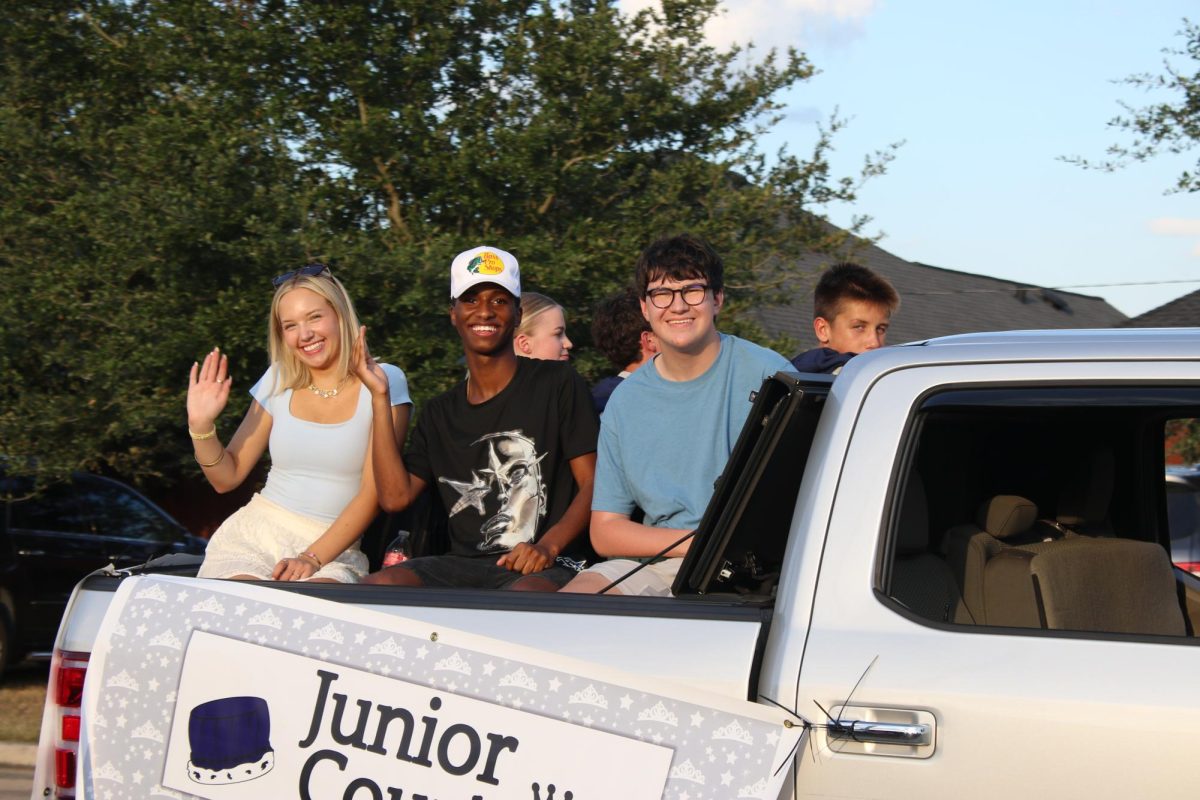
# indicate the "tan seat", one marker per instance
pixel 1009 596
pixel 969 548
pixel 1112 585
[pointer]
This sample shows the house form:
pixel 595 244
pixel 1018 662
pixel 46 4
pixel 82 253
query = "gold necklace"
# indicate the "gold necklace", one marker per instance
pixel 325 394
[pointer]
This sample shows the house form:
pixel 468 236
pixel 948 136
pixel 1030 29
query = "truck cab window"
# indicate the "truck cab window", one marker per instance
pixel 1041 508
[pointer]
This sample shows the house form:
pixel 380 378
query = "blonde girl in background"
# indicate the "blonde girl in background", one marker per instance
pixel 314 416
pixel 543 329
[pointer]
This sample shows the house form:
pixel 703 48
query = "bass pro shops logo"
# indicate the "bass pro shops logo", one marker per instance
pixel 486 263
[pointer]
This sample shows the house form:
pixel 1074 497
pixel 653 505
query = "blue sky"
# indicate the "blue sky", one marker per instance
pixel 987 94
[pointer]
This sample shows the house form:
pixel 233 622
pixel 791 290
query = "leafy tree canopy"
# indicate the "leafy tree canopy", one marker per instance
pixel 1183 440
pixel 160 160
pixel 1165 127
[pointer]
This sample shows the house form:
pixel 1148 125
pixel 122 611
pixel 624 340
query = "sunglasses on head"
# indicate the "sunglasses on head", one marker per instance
pixel 306 270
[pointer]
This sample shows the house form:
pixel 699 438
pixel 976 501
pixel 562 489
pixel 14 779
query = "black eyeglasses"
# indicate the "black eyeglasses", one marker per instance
pixel 306 270
pixel 663 297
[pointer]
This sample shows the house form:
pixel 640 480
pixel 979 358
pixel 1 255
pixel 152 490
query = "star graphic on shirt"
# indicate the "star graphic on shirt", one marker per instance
pixel 470 494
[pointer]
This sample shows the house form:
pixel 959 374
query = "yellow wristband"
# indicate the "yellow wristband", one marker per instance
pixel 199 437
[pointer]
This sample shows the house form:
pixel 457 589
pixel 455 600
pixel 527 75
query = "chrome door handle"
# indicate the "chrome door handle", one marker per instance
pixel 880 732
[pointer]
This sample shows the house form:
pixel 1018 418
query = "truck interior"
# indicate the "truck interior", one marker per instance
pixel 1039 508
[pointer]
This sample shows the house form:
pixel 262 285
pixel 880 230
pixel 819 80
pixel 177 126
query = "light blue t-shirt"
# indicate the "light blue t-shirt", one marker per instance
pixel 316 469
pixel 663 443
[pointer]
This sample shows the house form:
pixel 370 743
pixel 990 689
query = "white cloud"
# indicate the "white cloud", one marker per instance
pixel 1175 226
pixel 780 23
pixel 632 6
pixel 806 115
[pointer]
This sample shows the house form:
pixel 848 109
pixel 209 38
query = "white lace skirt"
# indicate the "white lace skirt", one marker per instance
pixel 256 536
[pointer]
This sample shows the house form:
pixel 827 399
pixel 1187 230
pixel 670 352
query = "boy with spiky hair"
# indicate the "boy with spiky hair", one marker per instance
pixel 852 310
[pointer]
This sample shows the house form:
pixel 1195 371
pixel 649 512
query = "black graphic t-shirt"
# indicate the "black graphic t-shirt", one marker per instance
pixel 502 467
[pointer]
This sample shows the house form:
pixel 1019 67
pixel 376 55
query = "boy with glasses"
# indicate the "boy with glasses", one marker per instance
pixel 668 428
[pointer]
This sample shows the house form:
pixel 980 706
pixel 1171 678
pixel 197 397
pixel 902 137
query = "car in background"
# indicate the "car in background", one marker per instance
pixel 50 539
pixel 1183 516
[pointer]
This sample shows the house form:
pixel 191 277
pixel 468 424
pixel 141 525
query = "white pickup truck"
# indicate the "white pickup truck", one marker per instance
pixel 952 558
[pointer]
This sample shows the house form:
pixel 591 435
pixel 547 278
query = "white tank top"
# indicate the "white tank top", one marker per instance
pixel 316 469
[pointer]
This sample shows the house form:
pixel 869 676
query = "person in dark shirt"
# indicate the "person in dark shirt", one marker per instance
pixel 622 333
pixel 852 310
pixel 511 450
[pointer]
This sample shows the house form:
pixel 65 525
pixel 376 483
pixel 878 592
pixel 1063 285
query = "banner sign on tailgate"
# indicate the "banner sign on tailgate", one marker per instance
pixel 227 691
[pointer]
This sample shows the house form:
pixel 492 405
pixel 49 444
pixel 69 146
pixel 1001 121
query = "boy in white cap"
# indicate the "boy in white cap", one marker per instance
pixel 511 450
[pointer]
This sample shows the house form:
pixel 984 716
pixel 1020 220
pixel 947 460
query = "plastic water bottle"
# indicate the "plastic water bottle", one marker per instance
pixel 398 550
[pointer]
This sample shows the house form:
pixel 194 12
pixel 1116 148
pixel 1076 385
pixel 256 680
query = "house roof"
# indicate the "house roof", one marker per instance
pixel 1182 312
pixel 935 301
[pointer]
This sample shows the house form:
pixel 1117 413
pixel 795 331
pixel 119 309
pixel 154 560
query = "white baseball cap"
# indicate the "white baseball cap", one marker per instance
pixel 484 265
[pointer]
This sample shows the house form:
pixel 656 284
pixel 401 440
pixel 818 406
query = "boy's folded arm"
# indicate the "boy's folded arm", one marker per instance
pixel 615 535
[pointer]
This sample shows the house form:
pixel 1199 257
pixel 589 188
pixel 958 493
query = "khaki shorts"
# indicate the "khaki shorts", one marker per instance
pixel 652 580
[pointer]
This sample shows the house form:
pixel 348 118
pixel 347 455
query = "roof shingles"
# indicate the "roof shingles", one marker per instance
pixel 940 302
pixel 1182 312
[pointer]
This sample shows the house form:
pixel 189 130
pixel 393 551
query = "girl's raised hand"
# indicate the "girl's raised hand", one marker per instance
pixel 208 391
pixel 365 367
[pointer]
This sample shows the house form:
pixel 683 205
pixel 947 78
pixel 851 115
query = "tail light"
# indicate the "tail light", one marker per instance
pixel 67 674
pixel 1189 566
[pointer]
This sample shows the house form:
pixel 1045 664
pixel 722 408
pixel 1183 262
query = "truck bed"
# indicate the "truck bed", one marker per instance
pixel 710 643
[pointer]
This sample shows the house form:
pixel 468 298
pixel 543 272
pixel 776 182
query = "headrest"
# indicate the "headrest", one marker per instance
pixel 1006 515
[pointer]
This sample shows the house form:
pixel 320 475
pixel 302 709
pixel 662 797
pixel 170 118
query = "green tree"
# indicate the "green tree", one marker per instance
pixel 1183 440
pixel 161 159
pixel 1164 127
pixel 134 204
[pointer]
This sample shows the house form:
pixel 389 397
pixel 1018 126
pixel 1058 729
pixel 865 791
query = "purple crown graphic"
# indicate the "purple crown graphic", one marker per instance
pixel 230 740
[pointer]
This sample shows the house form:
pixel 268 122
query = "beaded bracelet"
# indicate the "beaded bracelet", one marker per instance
pixel 313 556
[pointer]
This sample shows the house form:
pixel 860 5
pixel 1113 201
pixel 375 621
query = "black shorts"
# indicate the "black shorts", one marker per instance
pixel 465 572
